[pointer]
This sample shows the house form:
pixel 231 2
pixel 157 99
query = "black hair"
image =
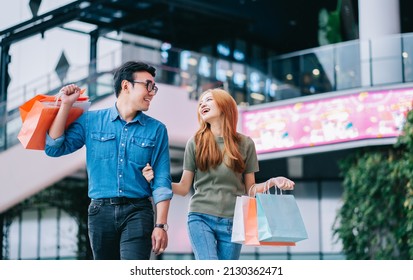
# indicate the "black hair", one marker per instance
pixel 126 72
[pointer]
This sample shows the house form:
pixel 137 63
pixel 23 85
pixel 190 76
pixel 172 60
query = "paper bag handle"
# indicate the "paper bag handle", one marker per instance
pixel 267 188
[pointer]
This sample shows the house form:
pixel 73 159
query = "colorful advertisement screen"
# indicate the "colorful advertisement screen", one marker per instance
pixel 364 115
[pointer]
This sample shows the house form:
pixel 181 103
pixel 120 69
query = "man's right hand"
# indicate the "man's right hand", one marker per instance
pixel 69 94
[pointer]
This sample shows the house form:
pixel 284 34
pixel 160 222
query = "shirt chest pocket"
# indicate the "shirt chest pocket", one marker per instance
pixel 104 145
pixel 141 150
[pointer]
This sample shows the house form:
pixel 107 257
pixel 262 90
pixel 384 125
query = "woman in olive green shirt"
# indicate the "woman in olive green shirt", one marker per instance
pixel 220 164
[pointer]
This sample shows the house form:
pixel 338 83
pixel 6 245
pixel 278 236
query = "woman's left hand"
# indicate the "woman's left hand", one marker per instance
pixel 282 183
pixel 147 172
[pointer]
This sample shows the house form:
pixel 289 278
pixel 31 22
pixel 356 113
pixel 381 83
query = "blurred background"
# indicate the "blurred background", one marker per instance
pixel 315 81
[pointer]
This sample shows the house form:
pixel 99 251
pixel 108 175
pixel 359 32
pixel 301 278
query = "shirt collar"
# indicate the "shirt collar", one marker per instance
pixel 140 117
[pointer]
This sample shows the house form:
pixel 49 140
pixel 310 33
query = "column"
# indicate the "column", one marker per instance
pixel 380 43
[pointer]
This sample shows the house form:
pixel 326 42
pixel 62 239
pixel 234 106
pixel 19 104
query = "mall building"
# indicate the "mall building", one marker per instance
pixel 305 109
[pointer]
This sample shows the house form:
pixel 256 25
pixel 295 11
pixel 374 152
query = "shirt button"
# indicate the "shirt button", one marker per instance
pixel 121 160
pixel 126 129
pixel 120 175
pixel 123 144
pixel 143 144
pixel 120 191
pixel 103 138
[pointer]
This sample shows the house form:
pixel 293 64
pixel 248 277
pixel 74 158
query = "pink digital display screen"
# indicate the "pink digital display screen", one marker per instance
pixel 364 115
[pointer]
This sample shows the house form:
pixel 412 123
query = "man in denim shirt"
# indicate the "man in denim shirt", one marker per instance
pixel 120 141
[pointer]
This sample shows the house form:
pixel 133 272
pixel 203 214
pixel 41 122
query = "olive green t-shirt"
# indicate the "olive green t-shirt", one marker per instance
pixel 216 189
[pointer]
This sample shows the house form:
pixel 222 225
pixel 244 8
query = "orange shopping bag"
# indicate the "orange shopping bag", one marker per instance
pixel 245 224
pixel 38 114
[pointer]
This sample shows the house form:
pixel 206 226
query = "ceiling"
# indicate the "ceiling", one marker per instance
pixel 278 26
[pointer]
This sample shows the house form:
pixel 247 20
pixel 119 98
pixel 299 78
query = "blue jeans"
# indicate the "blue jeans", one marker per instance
pixel 121 231
pixel 211 237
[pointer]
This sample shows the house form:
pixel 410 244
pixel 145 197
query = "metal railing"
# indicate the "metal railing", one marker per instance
pixel 349 65
pixel 188 74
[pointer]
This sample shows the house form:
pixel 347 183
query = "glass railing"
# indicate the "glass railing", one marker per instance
pixel 343 66
pixel 192 71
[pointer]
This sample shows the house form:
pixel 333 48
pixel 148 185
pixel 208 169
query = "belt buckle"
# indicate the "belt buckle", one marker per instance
pixel 115 200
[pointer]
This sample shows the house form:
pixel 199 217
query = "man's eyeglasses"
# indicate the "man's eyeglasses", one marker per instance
pixel 150 86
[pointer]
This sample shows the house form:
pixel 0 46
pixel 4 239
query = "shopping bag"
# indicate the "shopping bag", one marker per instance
pixel 244 229
pixel 238 226
pixel 279 218
pixel 37 116
pixel 48 100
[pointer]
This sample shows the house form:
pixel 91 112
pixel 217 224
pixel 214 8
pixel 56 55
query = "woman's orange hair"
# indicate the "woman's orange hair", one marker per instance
pixel 208 154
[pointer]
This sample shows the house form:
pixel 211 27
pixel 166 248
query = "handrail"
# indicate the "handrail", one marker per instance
pixel 329 68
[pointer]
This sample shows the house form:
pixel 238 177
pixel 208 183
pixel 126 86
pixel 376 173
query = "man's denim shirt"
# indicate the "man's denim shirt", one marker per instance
pixel 116 153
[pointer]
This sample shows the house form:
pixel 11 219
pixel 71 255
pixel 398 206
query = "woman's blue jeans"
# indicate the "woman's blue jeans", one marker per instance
pixel 211 237
pixel 121 231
